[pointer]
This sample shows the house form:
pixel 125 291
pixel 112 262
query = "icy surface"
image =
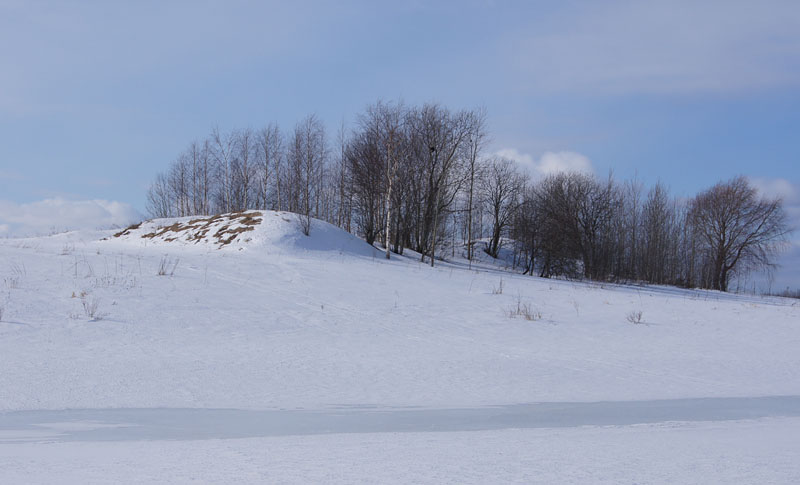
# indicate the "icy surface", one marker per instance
pixel 194 424
pixel 742 452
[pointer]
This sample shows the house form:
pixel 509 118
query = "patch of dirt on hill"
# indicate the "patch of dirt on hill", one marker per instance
pixel 128 230
pixel 223 228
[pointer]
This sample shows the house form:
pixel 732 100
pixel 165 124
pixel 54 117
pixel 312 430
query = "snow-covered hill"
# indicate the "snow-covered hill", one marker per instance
pixel 180 314
pixel 264 231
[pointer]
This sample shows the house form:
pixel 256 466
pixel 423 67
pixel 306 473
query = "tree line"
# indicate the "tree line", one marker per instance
pixel 418 178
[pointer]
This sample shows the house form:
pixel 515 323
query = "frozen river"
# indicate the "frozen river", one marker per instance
pixel 193 424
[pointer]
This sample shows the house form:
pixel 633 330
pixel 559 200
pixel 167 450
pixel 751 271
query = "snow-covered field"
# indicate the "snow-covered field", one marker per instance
pixel 273 320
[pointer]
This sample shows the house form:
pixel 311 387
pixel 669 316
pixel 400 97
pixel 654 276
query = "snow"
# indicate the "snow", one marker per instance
pixel 274 320
pixel 762 452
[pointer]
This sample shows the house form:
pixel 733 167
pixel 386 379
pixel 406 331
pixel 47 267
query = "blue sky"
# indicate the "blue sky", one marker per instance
pixel 96 97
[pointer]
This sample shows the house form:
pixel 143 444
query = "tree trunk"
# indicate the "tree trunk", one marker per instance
pixel 469 213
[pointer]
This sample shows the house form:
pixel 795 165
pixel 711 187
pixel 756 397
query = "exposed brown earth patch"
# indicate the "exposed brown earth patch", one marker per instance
pixel 198 229
pixel 128 230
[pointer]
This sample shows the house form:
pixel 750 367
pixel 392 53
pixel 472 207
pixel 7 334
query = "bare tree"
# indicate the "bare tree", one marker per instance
pixel 343 191
pixel 269 148
pixel 179 185
pixel 739 230
pixel 437 140
pixel 159 199
pixel 366 178
pixel 500 189
pixel 222 147
pixel 577 211
pixel 626 227
pixel 475 144
pixel 390 120
pixel 307 154
pixel 201 177
pixel 659 227
pixel 243 170
pixel 557 199
pixel 526 230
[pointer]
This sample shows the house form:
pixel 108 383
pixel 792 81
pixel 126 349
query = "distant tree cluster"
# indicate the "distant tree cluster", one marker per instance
pixel 575 225
pixel 417 178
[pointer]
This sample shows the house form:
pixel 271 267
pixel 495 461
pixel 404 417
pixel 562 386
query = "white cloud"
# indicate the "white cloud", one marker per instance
pixel 789 192
pixel 52 215
pixel 549 162
pixel 777 187
pixel 788 273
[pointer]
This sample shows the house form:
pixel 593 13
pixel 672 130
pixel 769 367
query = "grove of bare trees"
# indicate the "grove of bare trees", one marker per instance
pixel 417 178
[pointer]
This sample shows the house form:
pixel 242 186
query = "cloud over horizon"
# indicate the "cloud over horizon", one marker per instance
pixel 57 215
pixel 549 163
pixel 789 192
pixel 777 187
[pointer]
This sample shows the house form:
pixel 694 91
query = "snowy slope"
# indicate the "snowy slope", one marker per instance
pixel 314 322
pixel 276 320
